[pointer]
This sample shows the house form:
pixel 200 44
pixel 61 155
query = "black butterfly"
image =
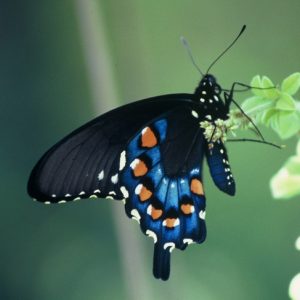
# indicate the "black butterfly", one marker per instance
pixel 149 154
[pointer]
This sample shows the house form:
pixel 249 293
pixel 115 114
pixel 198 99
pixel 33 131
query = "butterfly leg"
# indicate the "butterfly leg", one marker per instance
pixel 228 99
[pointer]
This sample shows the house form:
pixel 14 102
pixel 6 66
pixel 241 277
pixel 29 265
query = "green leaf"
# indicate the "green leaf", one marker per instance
pixel 256 83
pixel 284 185
pixel 298 148
pixel 285 123
pixel 291 84
pixel 286 102
pixel 270 91
pixel 293 165
pixel 256 104
pixel 267 116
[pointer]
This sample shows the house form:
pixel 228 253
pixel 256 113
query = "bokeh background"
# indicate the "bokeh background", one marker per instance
pixel 63 63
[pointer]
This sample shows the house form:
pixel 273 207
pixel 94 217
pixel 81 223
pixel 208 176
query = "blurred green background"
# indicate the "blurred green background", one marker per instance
pixel 57 57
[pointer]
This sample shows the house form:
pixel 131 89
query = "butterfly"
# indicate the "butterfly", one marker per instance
pixel 149 154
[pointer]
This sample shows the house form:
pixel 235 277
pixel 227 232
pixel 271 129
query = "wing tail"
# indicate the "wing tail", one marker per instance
pixel 161 262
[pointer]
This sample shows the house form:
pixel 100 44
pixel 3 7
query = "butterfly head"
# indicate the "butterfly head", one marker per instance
pixel 208 83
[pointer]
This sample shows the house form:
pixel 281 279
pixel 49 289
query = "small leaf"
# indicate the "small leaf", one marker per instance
pixel 284 186
pixel 256 104
pixel 291 84
pixel 267 116
pixel 256 83
pixel 298 148
pixel 286 102
pixel 270 91
pixel 293 165
pixel 286 124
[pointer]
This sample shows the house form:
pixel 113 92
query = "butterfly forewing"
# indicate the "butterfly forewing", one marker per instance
pixel 87 162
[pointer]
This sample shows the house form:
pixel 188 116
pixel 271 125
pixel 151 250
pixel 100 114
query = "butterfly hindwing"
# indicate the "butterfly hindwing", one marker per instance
pixel 87 162
pixel 163 180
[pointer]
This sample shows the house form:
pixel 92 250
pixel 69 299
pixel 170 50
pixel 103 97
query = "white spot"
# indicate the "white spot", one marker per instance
pixel 188 241
pixel 53 195
pixel 182 181
pixel 210 101
pixel 135 215
pixel 229 183
pixel 62 201
pixel 202 100
pixel 109 197
pixel 134 163
pixel 224 161
pixel 176 223
pixel 228 177
pixel 202 214
pixel 216 97
pixel 76 199
pixel 231 175
pixel 210 83
pixel 145 130
pixel 114 179
pixel 82 193
pixel 222 151
pixel 170 245
pixel 124 191
pixel 34 199
pixel 122 162
pixel 208 117
pixel 194 171
pixel 47 202
pixel 93 196
pixel 172 185
pixel 112 193
pixel 96 191
pixel 194 113
pixel 101 175
pixel 165 181
pixel 204 83
pixel 203 92
pixel 149 209
pixel 124 201
pixel 138 189
pixel 152 234
pixel 67 195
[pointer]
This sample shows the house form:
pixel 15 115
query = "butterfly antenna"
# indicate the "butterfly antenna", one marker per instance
pixel 257 141
pixel 189 51
pixel 232 43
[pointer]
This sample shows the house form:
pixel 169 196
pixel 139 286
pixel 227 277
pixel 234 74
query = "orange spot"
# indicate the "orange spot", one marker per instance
pixel 140 169
pixel 145 194
pixel 149 139
pixel 187 208
pixel 170 222
pixel 196 187
pixel 156 213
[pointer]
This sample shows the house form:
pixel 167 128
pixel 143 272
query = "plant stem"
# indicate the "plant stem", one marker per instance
pixel 103 88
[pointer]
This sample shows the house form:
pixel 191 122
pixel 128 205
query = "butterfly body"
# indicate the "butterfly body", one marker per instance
pixel 149 153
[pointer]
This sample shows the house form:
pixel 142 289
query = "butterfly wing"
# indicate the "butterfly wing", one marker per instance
pixel 220 169
pixel 87 162
pixel 162 178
